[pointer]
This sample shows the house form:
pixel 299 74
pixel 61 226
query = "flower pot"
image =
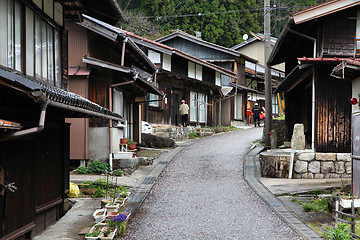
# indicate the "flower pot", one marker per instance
pixel 132 146
pixel 102 228
pixel 99 214
pixel 112 207
pixel 123 140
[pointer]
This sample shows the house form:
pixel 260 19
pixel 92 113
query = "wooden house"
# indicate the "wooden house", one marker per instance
pixel 107 67
pixel 316 45
pixel 233 105
pixel 34 102
pixel 182 76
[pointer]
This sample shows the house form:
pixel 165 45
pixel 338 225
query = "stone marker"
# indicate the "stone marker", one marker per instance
pixel 273 139
pixel 298 137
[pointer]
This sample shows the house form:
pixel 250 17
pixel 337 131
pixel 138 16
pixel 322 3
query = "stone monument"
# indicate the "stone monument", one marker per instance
pixel 298 137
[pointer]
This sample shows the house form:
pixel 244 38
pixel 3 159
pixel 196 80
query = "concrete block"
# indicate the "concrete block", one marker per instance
pixel 314 167
pixel 346 157
pixel 301 166
pixel 327 167
pixel 305 156
pixel 325 156
pixel 128 163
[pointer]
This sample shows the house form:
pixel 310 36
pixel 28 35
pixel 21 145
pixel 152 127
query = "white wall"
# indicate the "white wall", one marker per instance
pixel 99 142
pixel 356 94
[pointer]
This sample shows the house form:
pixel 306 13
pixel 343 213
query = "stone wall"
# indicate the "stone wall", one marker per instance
pixel 306 165
pixel 280 128
pixel 322 165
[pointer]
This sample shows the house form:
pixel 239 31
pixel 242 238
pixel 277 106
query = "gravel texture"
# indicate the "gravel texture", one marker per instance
pixel 202 195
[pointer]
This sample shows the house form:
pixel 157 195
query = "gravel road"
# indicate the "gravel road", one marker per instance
pixel 202 195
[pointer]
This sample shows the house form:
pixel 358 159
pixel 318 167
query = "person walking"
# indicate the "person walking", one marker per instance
pixel 184 111
pixel 256 114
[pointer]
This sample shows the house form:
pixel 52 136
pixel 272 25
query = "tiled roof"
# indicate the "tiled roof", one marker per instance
pixel 56 96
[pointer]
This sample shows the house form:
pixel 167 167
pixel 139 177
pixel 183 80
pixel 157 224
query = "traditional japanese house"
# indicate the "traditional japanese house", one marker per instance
pixel 34 138
pixel 182 76
pixel 233 105
pixel 312 44
pixel 107 67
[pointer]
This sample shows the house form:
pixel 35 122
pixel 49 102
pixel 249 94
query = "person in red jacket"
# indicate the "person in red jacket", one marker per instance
pixel 256 114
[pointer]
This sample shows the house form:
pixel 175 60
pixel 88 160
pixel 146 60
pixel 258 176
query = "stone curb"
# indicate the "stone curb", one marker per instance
pixel 251 175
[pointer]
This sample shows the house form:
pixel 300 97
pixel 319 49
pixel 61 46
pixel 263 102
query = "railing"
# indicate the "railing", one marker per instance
pixel 347 215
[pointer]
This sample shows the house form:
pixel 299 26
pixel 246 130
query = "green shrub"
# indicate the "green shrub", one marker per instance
pixel 117 172
pixel 82 170
pixel 339 233
pixel 193 135
pixel 317 205
pixel 96 166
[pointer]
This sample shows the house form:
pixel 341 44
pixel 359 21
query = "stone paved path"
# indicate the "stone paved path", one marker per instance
pixel 202 195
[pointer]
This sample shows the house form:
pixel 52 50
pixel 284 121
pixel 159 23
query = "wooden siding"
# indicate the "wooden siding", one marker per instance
pixel 38 166
pixel 79 137
pixel 339 31
pixel 77 39
pixel 333 112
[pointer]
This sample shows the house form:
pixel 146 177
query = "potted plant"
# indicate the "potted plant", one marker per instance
pixel 94 232
pixel 123 140
pixel 131 145
pixel 118 222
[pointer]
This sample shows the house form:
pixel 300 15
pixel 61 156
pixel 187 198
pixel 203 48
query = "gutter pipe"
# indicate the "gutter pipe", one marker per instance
pixel 39 97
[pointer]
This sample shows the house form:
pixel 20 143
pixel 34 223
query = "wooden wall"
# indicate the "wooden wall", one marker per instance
pixel 38 165
pixel 333 112
pixel 339 31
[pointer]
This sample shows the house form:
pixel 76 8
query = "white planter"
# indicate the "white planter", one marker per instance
pixel 346 203
pixel 99 214
pixel 123 155
pixel 112 208
pixel 101 235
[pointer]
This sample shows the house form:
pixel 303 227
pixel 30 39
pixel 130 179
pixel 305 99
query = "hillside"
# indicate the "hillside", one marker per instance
pixel 218 21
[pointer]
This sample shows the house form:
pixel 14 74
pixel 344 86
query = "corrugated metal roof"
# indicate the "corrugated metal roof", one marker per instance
pixel 112 33
pixel 141 85
pixel 170 50
pixel 56 96
pixel 202 42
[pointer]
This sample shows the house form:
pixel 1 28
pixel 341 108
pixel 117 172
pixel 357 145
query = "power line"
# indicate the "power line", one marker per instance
pixel 218 13
pixel 172 18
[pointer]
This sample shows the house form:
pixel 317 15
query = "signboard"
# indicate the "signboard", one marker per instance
pixel 356 155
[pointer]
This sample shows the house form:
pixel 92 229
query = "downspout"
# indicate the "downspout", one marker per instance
pixel 110 106
pixel 110 130
pixel 40 97
pixel 313 104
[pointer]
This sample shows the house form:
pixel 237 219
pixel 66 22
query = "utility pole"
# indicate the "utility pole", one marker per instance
pixel 268 90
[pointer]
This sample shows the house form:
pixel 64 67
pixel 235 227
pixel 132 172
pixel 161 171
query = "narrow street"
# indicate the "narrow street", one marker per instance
pixel 202 195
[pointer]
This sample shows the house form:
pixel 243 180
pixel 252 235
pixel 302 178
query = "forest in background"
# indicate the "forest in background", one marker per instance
pixel 218 21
